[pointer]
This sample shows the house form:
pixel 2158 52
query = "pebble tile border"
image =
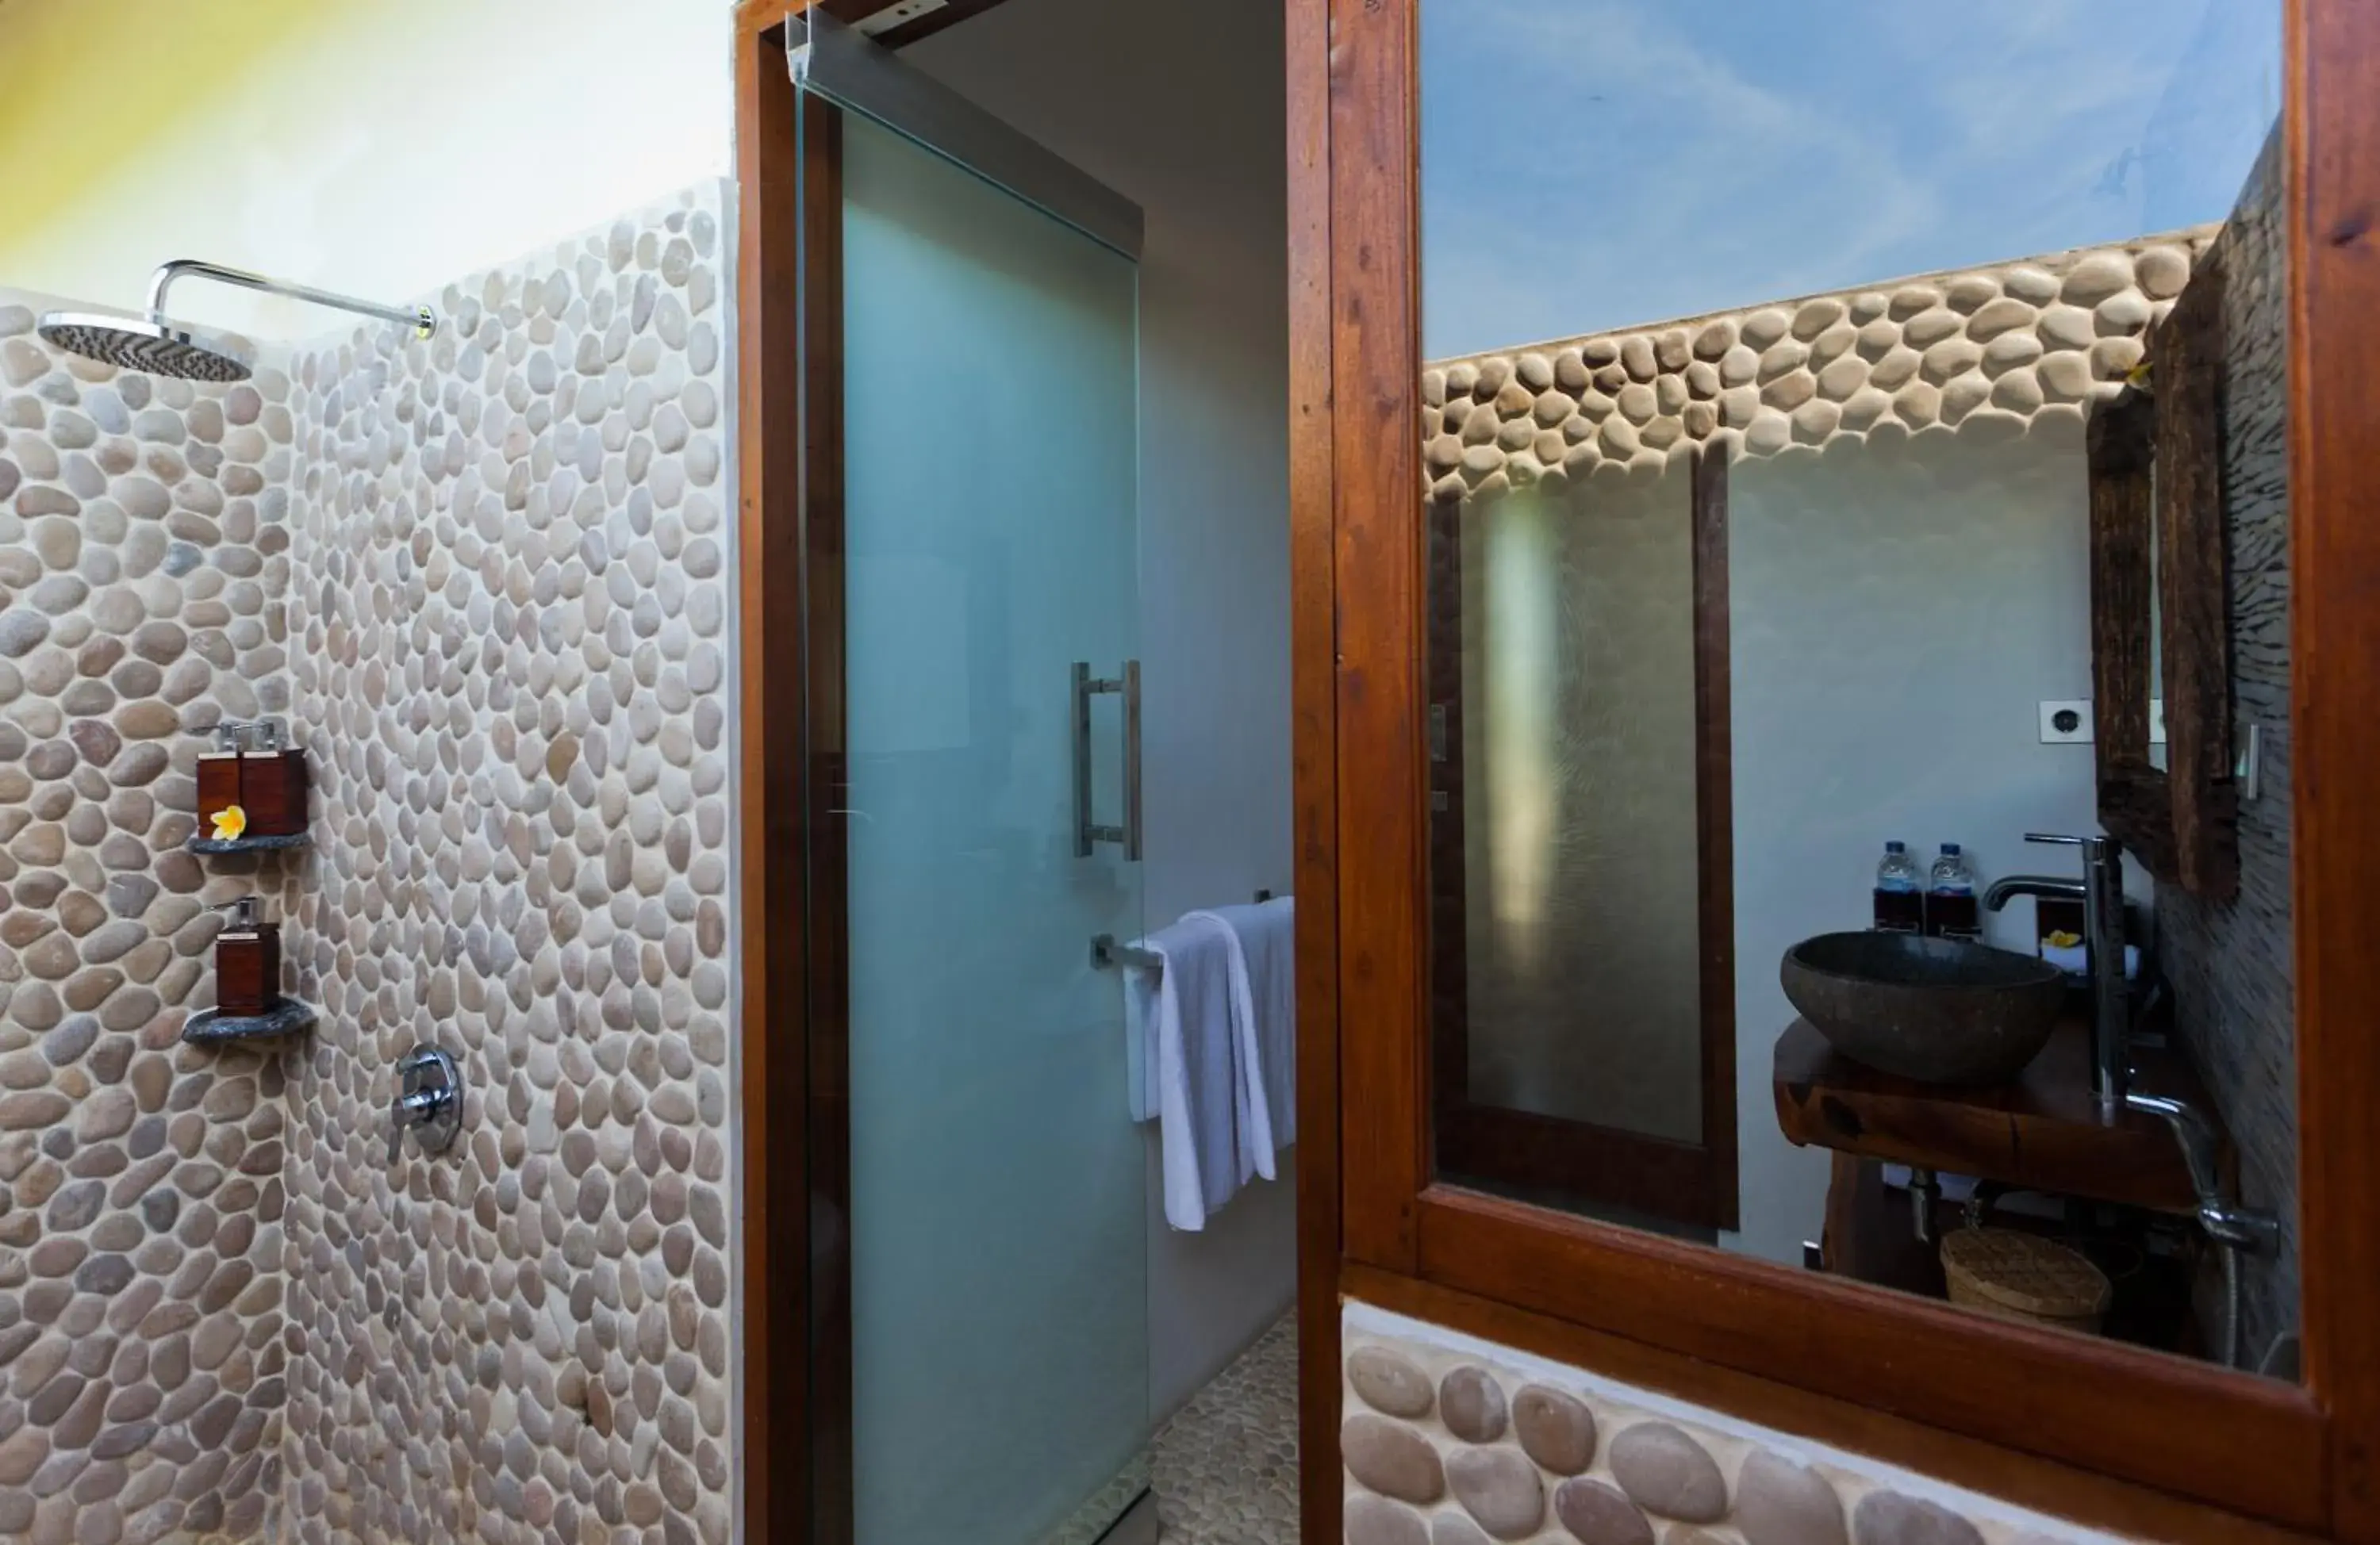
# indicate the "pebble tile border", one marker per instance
pixel 1451 1441
pixel 1981 351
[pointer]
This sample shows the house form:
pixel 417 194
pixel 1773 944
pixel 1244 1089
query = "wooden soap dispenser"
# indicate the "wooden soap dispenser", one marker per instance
pixel 272 783
pixel 247 961
pixel 219 773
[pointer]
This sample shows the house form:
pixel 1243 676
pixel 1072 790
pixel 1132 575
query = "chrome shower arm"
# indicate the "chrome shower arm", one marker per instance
pixel 423 321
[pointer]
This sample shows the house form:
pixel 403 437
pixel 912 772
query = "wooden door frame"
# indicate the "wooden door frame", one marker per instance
pixel 772 1179
pixel 793 1029
pixel 2106 1434
pixel 1314 760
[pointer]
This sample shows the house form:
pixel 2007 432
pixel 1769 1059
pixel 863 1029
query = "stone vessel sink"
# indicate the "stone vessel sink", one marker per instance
pixel 1931 1009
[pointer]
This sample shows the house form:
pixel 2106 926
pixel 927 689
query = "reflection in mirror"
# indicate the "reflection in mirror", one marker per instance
pixel 1759 539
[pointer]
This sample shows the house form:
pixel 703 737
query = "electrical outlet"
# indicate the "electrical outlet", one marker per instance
pixel 2066 721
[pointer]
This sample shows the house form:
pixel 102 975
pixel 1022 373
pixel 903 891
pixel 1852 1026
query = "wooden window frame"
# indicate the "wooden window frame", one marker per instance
pixel 2101 1431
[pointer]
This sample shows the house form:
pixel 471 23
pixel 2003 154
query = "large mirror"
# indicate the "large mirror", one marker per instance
pixel 1792 377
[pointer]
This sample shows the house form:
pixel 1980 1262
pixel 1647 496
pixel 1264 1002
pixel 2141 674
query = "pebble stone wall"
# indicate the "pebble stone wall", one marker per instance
pixel 511 663
pixel 144 563
pixel 1444 1446
pixel 1982 351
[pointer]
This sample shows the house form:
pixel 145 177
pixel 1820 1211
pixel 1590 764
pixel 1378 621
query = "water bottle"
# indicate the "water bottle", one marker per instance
pixel 1899 903
pixel 1950 908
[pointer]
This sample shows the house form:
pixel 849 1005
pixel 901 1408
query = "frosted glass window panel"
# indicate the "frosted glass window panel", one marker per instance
pixel 999 1209
pixel 1579 818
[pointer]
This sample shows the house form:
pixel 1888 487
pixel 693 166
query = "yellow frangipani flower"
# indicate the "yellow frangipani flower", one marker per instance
pixel 230 821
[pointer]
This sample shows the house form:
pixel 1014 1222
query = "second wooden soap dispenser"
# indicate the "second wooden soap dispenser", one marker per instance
pixel 247 961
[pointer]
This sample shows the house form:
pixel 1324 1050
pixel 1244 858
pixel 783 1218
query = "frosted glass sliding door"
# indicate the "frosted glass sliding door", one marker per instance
pixel 998 1296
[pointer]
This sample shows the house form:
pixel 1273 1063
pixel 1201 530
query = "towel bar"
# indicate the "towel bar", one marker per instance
pixel 1107 953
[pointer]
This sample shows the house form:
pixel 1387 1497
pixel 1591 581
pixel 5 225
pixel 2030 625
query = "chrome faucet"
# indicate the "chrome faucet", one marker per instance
pixel 2101 891
pixel 2225 1222
pixel 2232 1227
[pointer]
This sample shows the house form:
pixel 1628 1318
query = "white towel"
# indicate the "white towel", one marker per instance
pixel 1189 1075
pixel 1264 1016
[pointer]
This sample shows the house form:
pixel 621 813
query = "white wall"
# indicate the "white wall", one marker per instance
pixel 376 147
pixel 1180 107
pixel 1896 617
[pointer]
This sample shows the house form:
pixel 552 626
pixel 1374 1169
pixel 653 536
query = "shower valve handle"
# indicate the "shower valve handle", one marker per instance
pixel 428 1101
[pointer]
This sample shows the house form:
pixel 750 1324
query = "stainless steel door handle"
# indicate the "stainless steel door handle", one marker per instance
pixel 1132 760
pixel 428 1101
pixel 1088 830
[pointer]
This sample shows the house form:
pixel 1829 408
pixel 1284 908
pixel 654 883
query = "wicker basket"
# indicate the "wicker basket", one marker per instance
pixel 2013 1275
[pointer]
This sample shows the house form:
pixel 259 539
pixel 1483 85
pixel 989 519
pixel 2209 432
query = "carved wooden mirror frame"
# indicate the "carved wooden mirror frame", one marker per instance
pixel 2156 536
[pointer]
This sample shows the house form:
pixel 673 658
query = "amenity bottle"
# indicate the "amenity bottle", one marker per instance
pixel 1900 901
pixel 1950 908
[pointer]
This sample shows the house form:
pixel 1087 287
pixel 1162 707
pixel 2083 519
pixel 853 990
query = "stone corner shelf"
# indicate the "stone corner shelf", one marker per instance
pixel 206 847
pixel 212 1027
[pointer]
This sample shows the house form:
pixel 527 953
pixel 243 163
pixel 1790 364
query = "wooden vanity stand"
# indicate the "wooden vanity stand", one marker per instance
pixel 2038 1132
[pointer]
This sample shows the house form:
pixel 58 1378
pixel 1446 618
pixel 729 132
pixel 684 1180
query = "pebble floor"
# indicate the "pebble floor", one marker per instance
pixel 1227 1464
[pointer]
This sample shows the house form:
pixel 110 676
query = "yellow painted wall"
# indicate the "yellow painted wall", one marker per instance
pixel 90 83
pixel 380 147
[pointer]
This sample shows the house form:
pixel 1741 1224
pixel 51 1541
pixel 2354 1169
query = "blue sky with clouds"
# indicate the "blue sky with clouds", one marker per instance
pixel 1593 163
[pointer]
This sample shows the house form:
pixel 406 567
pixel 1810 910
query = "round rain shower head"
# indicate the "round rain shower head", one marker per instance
pixel 150 345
